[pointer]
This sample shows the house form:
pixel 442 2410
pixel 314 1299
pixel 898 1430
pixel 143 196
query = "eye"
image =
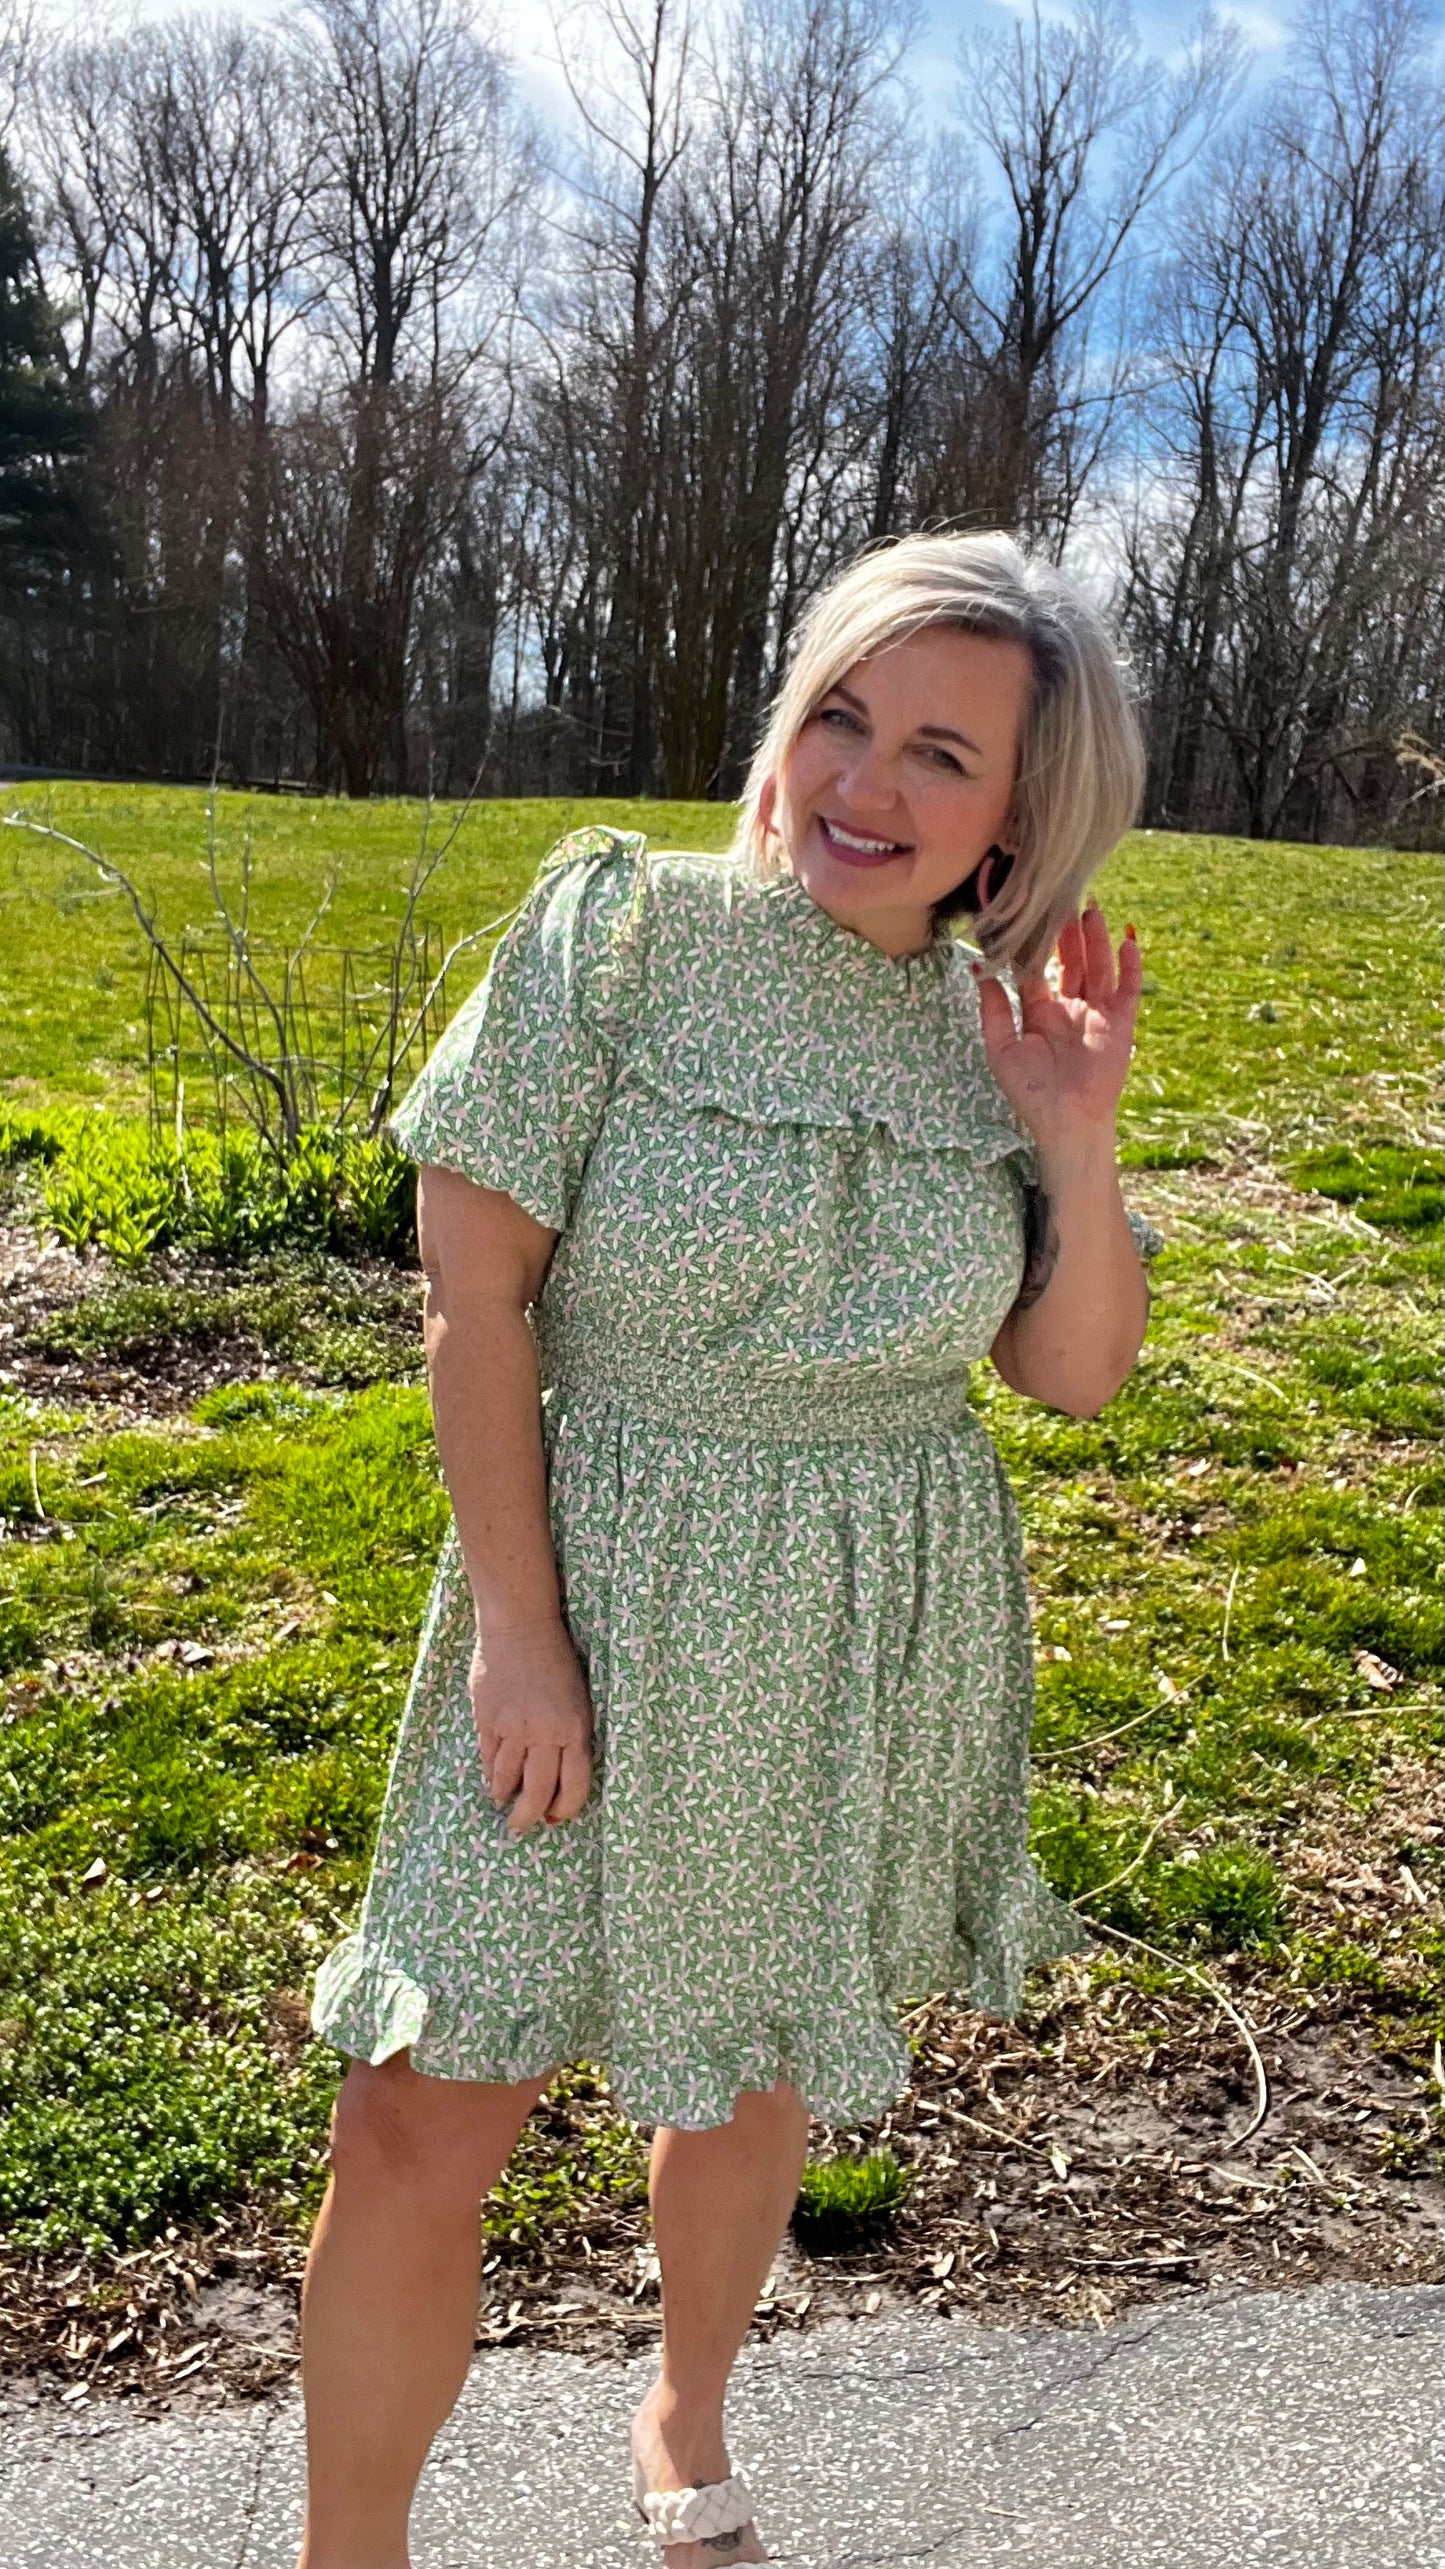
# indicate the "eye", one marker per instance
pixel 839 714
pixel 953 766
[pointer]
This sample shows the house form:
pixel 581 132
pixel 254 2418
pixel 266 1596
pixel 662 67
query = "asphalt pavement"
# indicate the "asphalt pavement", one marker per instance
pixel 1238 2430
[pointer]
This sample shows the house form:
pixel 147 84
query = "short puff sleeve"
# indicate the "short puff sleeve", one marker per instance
pixel 514 1094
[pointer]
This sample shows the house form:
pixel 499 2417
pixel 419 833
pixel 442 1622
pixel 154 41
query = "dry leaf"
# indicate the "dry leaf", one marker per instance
pixel 1377 1672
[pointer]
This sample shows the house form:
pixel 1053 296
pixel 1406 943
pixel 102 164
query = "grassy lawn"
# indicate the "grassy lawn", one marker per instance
pixel 221 1504
pixel 72 959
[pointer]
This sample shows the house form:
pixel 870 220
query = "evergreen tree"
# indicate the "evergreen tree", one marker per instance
pixel 42 429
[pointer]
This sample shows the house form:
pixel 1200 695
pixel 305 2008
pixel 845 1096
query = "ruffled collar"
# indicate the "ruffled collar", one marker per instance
pixel 850 950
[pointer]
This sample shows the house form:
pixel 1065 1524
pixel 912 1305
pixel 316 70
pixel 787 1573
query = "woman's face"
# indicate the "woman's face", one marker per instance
pixel 901 779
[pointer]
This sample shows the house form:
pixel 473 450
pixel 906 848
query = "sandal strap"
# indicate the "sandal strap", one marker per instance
pixel 694 2515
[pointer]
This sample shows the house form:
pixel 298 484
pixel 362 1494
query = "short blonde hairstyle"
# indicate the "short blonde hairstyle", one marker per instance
pixel 1081 756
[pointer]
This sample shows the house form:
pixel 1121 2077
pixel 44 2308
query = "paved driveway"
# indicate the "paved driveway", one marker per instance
pixel 1289 2430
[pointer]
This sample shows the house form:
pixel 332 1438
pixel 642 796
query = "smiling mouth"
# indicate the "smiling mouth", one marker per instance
pixel 853 848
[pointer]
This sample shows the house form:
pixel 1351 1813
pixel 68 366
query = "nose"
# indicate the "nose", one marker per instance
pixel 865 782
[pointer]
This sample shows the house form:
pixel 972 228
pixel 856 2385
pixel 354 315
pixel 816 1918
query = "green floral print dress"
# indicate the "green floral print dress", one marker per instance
pixel 789 1194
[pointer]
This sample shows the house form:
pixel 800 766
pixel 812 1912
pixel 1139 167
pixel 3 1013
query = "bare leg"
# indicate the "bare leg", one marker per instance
pixel 389 2305
pixel 720 2205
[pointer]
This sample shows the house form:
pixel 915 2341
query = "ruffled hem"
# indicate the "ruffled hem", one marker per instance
pixel 369 2007
pixel 846 2073
pixel 1026 1923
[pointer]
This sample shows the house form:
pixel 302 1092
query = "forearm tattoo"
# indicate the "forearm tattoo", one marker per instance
pixel 1041 1246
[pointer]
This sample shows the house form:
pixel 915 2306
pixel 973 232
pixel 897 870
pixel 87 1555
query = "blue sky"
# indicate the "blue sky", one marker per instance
pixel 526 29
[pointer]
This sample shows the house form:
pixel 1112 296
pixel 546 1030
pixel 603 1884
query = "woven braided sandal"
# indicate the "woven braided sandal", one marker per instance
pixel 713 2515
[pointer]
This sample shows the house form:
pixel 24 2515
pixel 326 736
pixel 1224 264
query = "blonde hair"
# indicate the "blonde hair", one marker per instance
pixel 1081 757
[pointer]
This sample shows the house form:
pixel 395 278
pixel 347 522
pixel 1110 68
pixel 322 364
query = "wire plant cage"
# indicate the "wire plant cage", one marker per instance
pixel 248 1032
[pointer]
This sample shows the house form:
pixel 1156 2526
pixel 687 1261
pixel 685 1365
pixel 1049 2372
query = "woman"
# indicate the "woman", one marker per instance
pixel 716 1752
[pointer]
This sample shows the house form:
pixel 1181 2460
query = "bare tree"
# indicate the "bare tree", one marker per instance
pixel 1285 607
pixel 631 96
pixel 19 49
pixel 360 497
pixel 410 456
pixel 1086 133
pixel 423 159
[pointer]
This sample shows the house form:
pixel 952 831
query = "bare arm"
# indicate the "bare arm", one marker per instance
pixel 485 1259
pixel 1078 1324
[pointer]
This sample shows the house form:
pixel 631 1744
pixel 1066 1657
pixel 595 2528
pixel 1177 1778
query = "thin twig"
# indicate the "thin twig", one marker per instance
pixel 145 920
pixel 1006 2140
pixel 238 937
pixel 1116 1878
pixel 1096 1739
pixel 1232 1366
pixel 1228 1610
pixel 382 1100
pixel 1261 2076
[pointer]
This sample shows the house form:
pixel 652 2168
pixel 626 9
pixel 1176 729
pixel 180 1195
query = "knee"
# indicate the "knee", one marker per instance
pixel 436 2141
pixel 377 2136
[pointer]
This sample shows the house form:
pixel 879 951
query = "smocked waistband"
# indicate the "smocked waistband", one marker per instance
pixel 704 1397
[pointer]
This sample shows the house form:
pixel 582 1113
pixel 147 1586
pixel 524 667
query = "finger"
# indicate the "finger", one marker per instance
pixel 1098 956
pixel 1131 968
pixel 539 1784
pixel 996 1017
pixel 505 1772
pixel 1071 960
pixel 574 1786
pixel 1037 1003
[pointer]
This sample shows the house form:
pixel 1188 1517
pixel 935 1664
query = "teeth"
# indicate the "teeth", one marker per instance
pixel 865 846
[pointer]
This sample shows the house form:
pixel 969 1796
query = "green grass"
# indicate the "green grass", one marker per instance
pixel 846 2200
pixel 206 1625
pixel 72 959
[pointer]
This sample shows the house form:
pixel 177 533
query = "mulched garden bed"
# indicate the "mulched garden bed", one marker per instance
pixel 1062 2170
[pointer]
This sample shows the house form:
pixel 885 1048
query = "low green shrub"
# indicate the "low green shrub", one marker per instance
pixel 1231 1899
pixel 329 1318
pixel 26 1137
pixel 131 1192
pixel 843 2200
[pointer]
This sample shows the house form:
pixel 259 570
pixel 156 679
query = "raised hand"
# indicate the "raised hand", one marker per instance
pixel 1063 1069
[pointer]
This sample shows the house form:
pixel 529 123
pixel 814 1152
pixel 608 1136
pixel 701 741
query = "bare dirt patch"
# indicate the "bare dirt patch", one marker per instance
pixel 209 1326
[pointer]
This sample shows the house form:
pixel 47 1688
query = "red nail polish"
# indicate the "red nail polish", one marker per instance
pixel 1129 931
